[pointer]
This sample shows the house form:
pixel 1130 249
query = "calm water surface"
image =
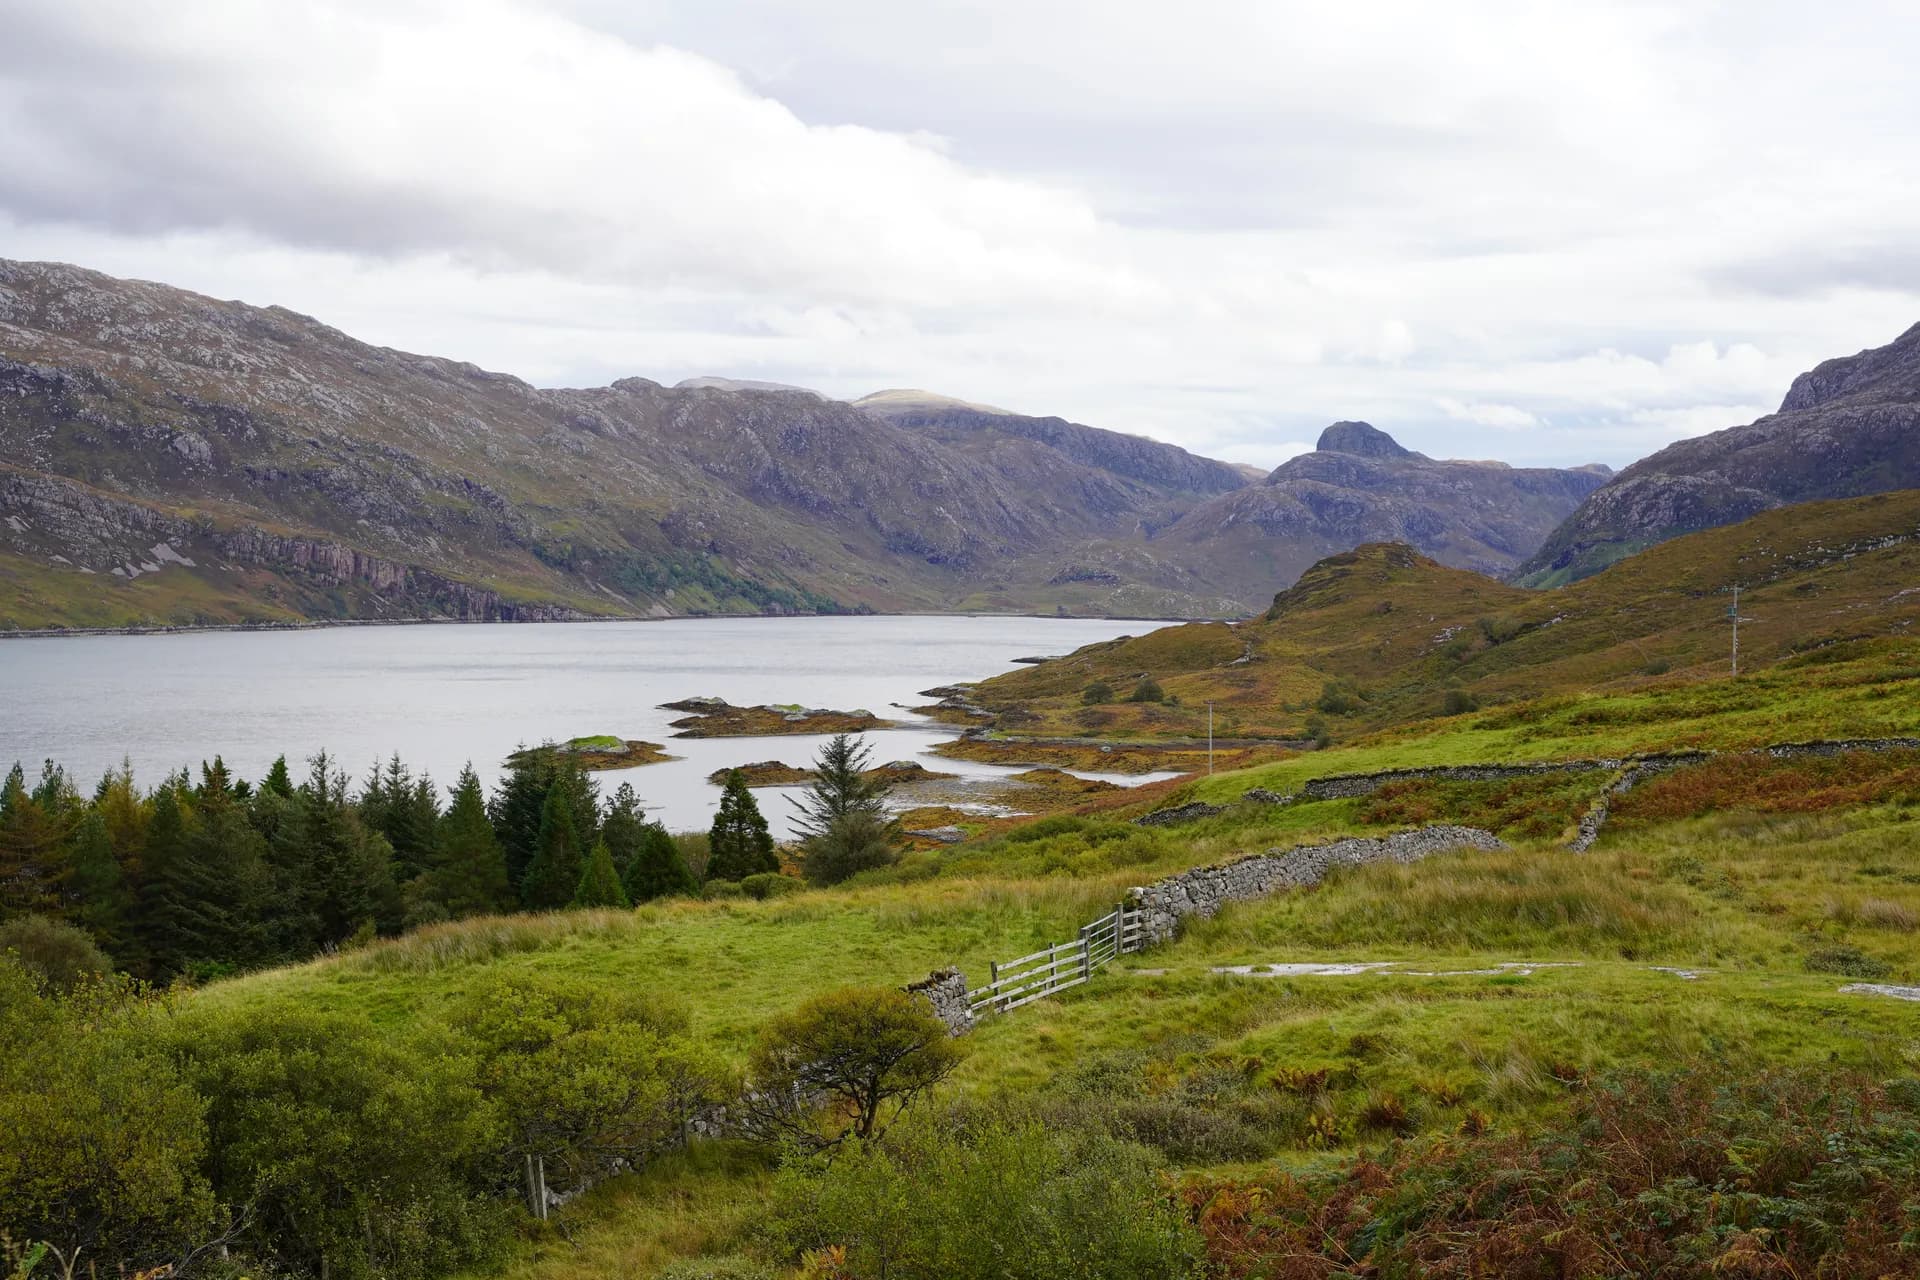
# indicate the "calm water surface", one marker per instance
pixel 445 695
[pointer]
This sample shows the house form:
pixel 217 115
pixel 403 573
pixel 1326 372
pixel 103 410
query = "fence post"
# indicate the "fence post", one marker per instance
pixel 993 970
pixel 1086 954
pixel 1119 929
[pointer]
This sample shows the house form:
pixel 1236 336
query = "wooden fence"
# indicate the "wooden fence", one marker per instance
pixel 1067 964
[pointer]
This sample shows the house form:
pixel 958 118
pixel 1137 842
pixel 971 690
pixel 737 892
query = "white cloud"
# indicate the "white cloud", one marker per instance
pixel 1547 233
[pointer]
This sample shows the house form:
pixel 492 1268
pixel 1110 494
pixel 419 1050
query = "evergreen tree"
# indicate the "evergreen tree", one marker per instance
pixel 278 781
pixel 657 869
pixel 340 874
pixel 469 873
pixel 599 883
pixel 624 826
pixel 841 786
pixel 554 873
pixel 740 844
pixel 518 806
pixel 97 887
pixel 33 832
pixel 402 808
pixel 126 812
pixel 207 888
pixel 162 944
pixel 858 840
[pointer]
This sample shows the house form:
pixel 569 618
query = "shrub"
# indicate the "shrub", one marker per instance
pixel 1096 693
pixel 1501 629
pixel 357 1154
pixel 769 884
pixel 1458 702
pixel 1847 960
pixel 1339 698
pixel 987 1200
pixel 103 1140
pixel 1147 691
pixel 54 952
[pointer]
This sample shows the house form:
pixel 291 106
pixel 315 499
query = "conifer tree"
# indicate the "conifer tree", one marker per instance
pixel 518 806
pixel 657 869
pixel 599 883
pixel 402 808
pixel 31 837
pixel 278 781
pixel 840 787
pixel 162 944
pixel 624 826
pixel 339 873
pixel 740 844
pixel 96 886
pixel 554 873
pixel 469 872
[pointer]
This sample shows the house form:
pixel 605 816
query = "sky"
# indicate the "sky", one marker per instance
pixel 1544 233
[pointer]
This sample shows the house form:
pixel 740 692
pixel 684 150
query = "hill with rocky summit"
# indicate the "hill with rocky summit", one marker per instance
pixel 1360 485
pixel 1848 427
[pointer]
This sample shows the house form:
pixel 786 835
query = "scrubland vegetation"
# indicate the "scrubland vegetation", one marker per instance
pixel 1656 1057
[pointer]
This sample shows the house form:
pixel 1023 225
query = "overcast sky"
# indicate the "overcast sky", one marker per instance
pixel 1549 233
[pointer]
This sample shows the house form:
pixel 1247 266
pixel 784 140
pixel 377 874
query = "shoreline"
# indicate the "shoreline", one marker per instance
pixel 324 624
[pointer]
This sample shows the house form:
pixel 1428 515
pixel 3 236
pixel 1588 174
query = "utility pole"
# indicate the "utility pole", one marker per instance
pixel 1734 613
pixel 1733 616
pixel 1209 739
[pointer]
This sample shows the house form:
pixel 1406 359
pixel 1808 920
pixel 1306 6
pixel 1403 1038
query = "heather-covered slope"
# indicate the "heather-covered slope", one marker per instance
pixel 1849 427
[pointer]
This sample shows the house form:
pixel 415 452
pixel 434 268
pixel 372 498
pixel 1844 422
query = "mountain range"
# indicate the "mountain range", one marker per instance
pixel 169 458
pixel 1850 426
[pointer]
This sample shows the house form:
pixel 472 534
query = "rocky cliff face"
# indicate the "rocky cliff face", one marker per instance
pixel 1847 428
pixel 1360 485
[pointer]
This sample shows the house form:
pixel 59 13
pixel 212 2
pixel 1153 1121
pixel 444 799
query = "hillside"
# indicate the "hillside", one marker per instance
pixel 168 459
pixel 1849 427
pixel 1381 635
pixel 239 463
pixel 1359 485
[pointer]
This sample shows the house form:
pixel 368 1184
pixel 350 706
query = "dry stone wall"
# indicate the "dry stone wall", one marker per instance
pixel 1203 891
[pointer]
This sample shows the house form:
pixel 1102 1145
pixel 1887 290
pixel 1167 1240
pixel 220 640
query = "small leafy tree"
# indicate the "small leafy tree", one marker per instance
pixel 739 841
pixel 657 869
pixel 1148 690
pixel 599 882
pixel 845 1065
pixel 1097 693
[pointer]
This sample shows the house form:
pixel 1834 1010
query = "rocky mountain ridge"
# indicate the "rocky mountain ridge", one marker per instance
pixel 1360 485
pixel 1847 428
pixel 170 458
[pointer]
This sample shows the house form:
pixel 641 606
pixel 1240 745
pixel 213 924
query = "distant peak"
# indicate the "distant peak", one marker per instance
pixel 710 382
pixel 912 399
pixel 1361 438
